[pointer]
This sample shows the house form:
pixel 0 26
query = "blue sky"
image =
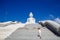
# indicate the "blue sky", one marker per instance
pixel 18 10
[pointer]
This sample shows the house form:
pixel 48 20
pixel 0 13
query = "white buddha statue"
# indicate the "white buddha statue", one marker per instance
pixel 30 19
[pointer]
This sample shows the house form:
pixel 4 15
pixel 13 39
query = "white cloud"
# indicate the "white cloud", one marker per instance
pixel 57 20
pixel 51 16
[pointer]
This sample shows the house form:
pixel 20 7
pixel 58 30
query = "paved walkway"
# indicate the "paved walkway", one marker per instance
pixel 26 33
pixel 31 34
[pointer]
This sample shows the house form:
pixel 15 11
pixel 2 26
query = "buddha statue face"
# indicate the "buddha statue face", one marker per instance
pixel 31 15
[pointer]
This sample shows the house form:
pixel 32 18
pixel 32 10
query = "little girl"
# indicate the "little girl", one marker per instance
pixel 39 33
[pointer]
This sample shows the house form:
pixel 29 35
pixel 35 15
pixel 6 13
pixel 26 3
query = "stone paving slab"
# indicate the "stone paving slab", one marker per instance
pixel 23 34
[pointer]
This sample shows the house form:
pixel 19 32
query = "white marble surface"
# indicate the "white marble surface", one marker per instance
pixel 8 30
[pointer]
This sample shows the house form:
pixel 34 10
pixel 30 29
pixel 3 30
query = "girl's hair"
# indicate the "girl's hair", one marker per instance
pixel 38 28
